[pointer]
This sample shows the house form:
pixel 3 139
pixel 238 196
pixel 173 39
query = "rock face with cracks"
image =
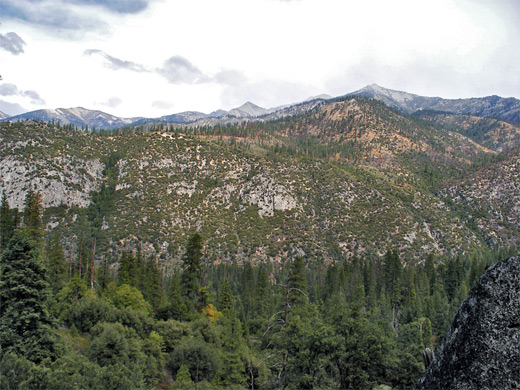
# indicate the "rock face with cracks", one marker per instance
pixel 482 346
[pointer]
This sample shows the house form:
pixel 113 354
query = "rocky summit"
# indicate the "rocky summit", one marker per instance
pixel 481 349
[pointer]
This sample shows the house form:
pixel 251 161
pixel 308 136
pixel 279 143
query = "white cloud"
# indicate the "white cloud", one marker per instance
pixel 11 109
pixel 112 102
pixel 116 63
pixel 8 89
pixel 270 52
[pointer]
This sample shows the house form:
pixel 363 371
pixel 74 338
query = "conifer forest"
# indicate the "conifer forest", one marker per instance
pixel 69 323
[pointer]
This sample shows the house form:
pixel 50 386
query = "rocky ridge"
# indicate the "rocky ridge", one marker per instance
pixel 507 109
pixel 481 347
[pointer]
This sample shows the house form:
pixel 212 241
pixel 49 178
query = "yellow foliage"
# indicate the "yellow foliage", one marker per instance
pixel 212 313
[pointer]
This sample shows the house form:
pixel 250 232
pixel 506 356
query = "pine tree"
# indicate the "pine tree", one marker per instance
pixel 57 268
pixel 176 306
pixel 8 223
pixel 192 276
pixel 248 288
pixel 226 302
pixel 233 369
pixel 183 378
pixel 393 279
pixel 262 291
pixel 297 283
pixel 32 216
pixel 24 319
pixel 128 272
pixel 150 283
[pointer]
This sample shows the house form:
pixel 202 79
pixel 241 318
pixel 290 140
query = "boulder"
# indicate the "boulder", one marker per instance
pixel 482 347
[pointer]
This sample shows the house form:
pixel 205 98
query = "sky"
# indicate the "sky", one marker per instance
pixel 151 58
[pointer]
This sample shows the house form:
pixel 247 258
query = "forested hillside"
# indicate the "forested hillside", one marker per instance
pixel 351 177
pixel 325 249
pixel 76 324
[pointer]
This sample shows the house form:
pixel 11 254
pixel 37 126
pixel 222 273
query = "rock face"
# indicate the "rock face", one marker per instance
pixel 482 347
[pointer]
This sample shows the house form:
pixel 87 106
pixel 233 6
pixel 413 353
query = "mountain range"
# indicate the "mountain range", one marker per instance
pixel 506 109
pixel 324 179
pixel 84 118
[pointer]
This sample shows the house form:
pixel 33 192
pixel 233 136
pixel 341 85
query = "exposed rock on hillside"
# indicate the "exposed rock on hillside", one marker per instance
pixel 481 350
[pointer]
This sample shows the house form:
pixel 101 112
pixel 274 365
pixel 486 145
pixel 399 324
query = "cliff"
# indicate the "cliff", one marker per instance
pixel 481 349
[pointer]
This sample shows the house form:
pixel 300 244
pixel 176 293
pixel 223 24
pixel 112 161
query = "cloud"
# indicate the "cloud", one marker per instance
pixel 55 15
pixel 230 77
pixel 119 6
pixel 35 97
pixel 11 109
pixel 266 93
pixel 162 105
pixel 8 89
pixel 12 43
pixel 69 18
pixel 178 70
pixel 113 102
pixel 116 63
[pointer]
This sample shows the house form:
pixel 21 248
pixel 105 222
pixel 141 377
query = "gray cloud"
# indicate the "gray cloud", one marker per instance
pixel 11 109
pixel 65 17
pixel 116 63
pixel 8 89
pixel 230 77
pixel 54 15
pixel 113 102
pixel 267 93
pixel 35 97
pixel 119 6
pixel 12 43
pixel 178 70
pixel 162 105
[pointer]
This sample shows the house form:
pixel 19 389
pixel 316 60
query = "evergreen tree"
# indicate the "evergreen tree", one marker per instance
pixel 392 278
pixel 8 222
pixel 192 276
pixel 153 292
pixel 262 296
pixel 24 319
pixel 32 216
pixel 248 288
pixel 297 283
pixel 128 271
pixel 233 369
pixel 183 379
pixel 226 302
pixel 57 268
pixel 103 274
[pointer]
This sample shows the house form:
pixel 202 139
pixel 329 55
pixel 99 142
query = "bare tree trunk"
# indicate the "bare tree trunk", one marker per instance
pixel 92 265
pixel 70 263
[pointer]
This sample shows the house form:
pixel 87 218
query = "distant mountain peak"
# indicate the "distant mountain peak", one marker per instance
pixel 77 116
pixel 507 109
pixel 249 109
pixel 323 96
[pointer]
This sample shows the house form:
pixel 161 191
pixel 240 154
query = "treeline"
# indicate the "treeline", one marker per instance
pixel 126 324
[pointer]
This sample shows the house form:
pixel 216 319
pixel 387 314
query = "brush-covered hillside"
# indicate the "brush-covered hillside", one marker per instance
pixel 349 177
